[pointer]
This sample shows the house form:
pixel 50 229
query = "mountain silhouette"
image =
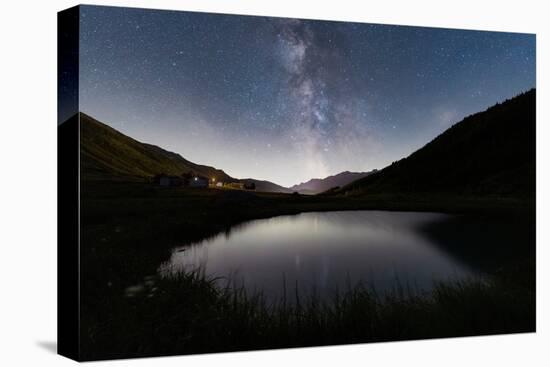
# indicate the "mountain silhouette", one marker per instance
pixel 317 185
pixel 490 153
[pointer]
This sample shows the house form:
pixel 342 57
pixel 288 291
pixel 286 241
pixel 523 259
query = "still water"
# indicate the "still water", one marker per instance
pixel 319 253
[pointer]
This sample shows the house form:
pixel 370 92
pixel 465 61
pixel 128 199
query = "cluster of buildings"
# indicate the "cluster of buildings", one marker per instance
pixel 183 180
pixel 199 181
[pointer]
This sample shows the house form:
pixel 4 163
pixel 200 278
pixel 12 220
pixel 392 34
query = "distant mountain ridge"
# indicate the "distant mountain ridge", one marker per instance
pixel 107 154
pixel 490 153
pixel 318 185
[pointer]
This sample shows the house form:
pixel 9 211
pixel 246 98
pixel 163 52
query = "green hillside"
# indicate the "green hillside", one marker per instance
pixel 488 154
pixel 108 154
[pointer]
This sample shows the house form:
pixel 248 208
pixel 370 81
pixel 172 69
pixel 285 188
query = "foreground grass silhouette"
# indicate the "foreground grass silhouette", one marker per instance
pixel 191 313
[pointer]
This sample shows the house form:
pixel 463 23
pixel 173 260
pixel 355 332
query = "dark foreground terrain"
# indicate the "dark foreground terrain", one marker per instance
pixel 129 229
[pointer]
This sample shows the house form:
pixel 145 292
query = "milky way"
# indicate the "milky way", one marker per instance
pixel 284 99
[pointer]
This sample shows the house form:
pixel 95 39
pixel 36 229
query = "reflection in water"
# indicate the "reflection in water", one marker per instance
pixel 324 252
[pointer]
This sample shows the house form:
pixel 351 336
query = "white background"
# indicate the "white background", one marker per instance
pixel 28 182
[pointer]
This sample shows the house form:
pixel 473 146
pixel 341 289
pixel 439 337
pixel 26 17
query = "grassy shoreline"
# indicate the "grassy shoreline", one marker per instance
pixel 188 314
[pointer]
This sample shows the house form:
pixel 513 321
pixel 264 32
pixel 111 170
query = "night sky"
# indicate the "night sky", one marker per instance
pixel 287 100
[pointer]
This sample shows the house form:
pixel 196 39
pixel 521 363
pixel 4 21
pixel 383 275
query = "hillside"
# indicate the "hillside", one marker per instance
pixel 488 154
pixel 106 153
pixel 317 185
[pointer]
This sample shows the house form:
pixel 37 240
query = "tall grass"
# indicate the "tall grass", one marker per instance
pixel 191 313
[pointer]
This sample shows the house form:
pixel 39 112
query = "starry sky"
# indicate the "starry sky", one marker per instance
pixel 287 100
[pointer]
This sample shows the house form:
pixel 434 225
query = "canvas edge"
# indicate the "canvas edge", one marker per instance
pixel 68 190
